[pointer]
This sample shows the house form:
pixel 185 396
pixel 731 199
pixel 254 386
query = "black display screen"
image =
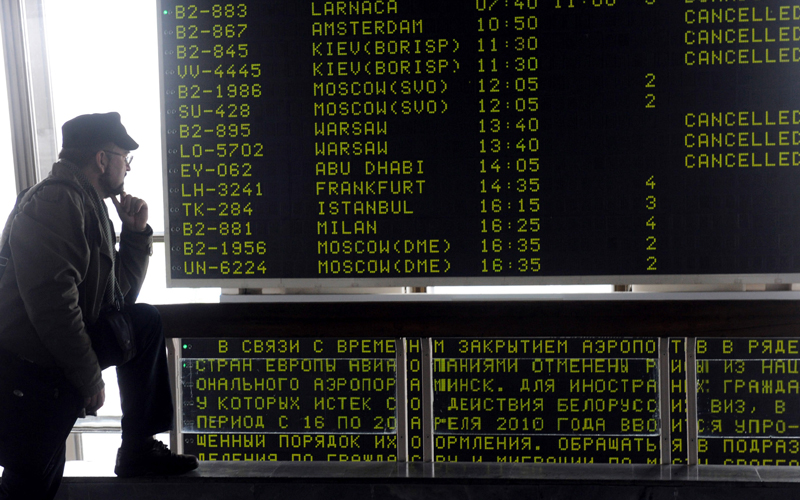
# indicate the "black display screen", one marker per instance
pixel 487 141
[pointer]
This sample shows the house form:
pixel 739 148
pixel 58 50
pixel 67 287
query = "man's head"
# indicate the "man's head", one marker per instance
pixel 99 144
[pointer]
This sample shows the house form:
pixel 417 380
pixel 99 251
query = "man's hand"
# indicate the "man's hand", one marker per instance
pixel 132 212
pixel 94 403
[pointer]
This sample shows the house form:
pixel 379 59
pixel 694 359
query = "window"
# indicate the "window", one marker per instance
pixel 104 57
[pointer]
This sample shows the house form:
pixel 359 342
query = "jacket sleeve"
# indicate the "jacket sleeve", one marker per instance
pixel 51 256
pixel 135 249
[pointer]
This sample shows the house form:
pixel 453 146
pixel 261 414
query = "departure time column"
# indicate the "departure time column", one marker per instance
pixel 508 147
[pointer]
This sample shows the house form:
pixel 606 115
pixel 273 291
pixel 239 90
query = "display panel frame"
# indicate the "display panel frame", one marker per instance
pixel 290 281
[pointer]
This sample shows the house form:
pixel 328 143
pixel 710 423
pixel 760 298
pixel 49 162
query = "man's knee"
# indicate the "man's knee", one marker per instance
pixel 147 327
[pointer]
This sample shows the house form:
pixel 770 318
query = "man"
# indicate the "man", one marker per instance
pixel 63 273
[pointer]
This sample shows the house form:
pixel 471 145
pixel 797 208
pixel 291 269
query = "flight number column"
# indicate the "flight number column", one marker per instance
pixel 508 145
pixel 212 84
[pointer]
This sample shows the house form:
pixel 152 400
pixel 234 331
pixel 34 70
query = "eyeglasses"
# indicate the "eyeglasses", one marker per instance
pixel 128 159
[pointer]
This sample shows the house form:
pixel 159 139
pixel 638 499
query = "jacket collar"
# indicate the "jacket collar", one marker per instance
pixel 64 169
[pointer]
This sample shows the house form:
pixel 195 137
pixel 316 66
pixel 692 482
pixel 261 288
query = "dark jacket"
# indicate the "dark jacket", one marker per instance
pixel 55 281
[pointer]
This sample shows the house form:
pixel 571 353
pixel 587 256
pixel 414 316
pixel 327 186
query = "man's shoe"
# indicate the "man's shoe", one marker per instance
pixel 155 461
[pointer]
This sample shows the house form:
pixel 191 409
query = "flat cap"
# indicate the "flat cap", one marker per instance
pixel 89 131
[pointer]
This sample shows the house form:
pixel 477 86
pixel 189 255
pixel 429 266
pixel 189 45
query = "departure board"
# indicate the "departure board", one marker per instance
pixel 420 142
pixel 289 399
pixel 546 400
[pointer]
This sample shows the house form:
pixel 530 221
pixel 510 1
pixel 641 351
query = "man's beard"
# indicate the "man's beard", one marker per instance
pixel 108 188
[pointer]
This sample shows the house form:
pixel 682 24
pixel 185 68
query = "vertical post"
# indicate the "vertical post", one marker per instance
pixel 41 88
pixel 20 100
pixel 174 363
pixel 75 446
pixel 691 400
pixel 427 399
pixel 664 401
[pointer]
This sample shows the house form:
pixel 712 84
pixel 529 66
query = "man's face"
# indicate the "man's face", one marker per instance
pixel 113 179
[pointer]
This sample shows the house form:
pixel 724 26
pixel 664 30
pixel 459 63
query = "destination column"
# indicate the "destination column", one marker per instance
pixel 376 74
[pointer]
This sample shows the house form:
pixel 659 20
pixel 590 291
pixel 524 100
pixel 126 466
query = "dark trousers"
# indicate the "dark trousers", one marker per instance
pixel 35 425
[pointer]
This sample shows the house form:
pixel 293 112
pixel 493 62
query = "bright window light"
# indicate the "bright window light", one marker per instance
pixel 104 57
